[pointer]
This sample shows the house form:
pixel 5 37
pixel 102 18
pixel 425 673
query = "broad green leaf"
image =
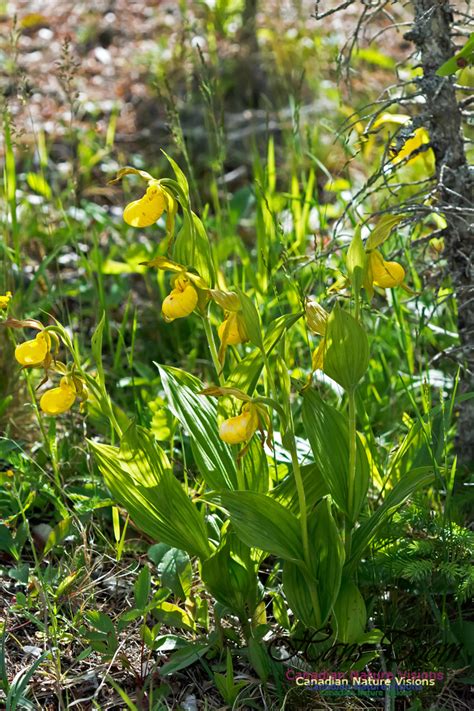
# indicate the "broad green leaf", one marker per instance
pixel 255 468
pixel 198 415
pixel 301 591
pixel 173 568
pixel 230 576
pixel 382 230
pixel 314 485
pixel 327 431
pixel 141 588
pixel 416 479
pixel 192 249
pixel 184 657
pixel 38 184
pixel 460 60
pixel 251 317
pixel 7 543
pixel 58 534
pixel 203 262
pixel 15 698
pixel 261 522
pixel 346 350
pixel 350 613
pixel 100 621
pixel 141 480
pixel 173 616
pixel 326 556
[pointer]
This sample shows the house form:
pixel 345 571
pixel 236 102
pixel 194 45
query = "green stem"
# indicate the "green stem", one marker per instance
pixel 357 305
pixel 213 349
pixel 352 465
pixel 299 489
pixel 47 443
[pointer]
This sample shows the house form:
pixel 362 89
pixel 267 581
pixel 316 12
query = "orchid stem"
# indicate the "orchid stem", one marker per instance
pixel 352 464
pixel 213 349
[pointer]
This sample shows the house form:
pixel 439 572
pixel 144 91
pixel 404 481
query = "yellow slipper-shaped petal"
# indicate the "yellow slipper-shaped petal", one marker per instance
pixel 32 353
pixel 147 210
pixel 232 330
pixel 386 275
pixel 412 144
pixel 241 428
pixel 58 400
pixel 179 303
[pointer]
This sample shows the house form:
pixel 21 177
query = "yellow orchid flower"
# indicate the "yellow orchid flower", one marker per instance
pixel 419 138
pixel 58 400
pixel 5 299
pixel 232 330
pixel 414 143
pixel 385 275
pixel 181 301
pixel 34 353
pixel 148 209
pixel 239 429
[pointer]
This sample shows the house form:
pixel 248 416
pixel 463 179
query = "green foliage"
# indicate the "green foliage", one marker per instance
pixel 139 476
pixel 311 510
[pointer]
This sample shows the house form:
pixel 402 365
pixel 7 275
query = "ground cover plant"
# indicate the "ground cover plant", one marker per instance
pixel 236 358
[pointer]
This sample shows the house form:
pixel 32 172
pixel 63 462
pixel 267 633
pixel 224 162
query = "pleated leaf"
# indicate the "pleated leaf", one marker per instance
pixel 261 522
pixel 327 431
pixel 140 480
pixel 198 415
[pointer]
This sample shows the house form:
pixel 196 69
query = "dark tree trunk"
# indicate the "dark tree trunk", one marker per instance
pixel 431 33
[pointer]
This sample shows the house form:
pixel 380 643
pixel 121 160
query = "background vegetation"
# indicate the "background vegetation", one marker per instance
pixel 279 123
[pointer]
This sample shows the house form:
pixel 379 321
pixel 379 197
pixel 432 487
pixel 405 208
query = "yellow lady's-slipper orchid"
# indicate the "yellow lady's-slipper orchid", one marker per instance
pixel 5 299
pixel 414 143
pixel 232 330
pixel 35 352
pixel 148 209
pixel 181 301
pixel 58 400
pixel 419 137
pixel 239 429
pixel 385 275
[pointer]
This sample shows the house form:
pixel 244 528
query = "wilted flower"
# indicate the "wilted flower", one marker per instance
pixel 34 353
pixel 5 299
pixel 239 429
pixel 181 301
pixel 59 400
pixel 148 209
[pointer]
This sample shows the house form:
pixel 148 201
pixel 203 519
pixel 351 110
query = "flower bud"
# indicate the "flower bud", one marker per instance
pixel 316 317
pixel 33 353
